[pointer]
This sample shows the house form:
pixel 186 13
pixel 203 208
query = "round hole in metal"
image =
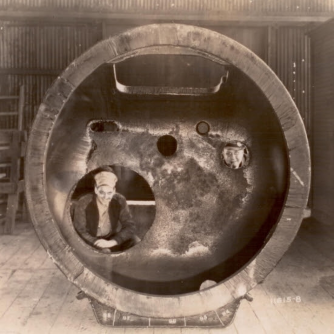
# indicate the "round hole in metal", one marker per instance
pixel 235 155
pixel 132 204
pixel 202 128
pixel 167 145
pixel 61 155
pixel 108 126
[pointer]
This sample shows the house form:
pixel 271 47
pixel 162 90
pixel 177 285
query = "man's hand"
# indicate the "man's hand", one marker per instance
pixel 103 243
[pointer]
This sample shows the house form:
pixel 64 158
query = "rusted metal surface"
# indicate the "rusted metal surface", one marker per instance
pixel 265 199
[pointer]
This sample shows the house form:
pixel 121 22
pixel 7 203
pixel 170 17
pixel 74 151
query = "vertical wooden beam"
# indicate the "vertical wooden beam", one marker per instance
pixel 12 201
pixel 271 48
pixel 104 29
pixel 21 109
pixel 309 59
pixel 309 85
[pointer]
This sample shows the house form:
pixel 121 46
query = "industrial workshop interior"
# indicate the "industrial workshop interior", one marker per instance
pixel 166 166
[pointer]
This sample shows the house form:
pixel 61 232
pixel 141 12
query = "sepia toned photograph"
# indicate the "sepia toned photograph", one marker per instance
pixel 166 166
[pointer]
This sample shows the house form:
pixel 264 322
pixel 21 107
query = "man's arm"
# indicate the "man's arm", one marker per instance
pixel 128 230
pixel 79 219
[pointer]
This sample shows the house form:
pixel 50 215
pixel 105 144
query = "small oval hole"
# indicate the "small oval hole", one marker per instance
pixel 104 126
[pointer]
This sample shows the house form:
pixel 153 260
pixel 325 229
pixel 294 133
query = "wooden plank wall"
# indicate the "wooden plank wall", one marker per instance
pixel 323 122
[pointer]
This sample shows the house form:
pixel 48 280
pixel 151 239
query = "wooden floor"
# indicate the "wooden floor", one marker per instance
pixel 36 298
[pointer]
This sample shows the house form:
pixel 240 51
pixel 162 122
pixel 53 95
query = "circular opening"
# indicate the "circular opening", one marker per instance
pixel 205 227
pixel 58 157
pixel 235 155
pixel 167 145
pixel 112 205
pixel 203 128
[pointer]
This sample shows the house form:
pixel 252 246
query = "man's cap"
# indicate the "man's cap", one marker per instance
pixel 105 178
pixel 235 145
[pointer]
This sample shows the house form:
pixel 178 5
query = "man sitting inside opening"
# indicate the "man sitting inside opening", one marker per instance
pixel 234 155
pixel 103 219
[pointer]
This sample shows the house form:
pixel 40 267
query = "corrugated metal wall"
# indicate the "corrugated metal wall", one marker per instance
pixel 35 88
pixel 289 57
pixel 41 46
pixel 323 123
pixel 176 6
pixel 33 55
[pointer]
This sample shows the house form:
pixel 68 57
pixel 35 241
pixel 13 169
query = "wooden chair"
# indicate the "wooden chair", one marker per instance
pixel 12 148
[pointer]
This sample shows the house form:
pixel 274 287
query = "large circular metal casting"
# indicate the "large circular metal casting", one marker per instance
pixel 215 217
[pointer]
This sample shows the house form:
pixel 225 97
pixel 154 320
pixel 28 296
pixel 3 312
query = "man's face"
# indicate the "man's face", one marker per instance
pixel 105 192
pixel 233 156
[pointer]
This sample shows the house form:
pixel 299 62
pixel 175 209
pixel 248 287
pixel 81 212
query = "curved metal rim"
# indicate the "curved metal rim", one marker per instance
pixel 207 44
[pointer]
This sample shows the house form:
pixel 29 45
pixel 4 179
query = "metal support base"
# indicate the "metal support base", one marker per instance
pixel 109 316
